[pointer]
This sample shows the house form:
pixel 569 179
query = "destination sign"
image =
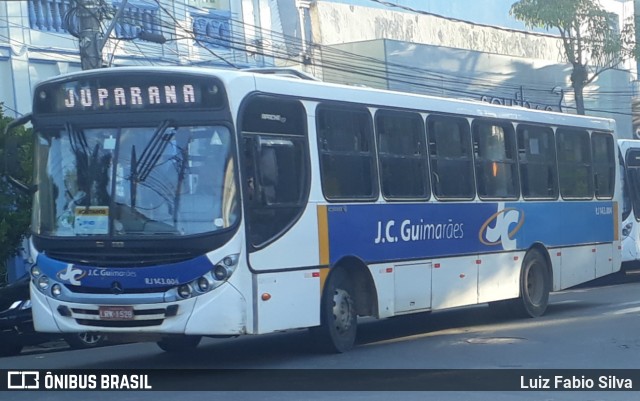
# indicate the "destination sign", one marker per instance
pixel 110 93
pixel 129 96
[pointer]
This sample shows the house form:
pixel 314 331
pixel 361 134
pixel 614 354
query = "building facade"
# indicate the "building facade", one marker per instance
pixel 410 45
pixel 40 38
pixel 435 52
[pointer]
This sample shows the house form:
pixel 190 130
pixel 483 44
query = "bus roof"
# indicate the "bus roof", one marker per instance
pixel 273 83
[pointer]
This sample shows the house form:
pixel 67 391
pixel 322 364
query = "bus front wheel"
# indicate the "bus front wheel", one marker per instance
pixel 179 343
pixel 337 332
pixel 535 284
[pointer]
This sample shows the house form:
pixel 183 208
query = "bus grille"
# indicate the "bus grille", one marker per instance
pixel 91 290
pixel 130 258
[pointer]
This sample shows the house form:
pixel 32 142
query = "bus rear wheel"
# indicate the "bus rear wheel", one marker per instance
pixel 337 332
pixel 535 285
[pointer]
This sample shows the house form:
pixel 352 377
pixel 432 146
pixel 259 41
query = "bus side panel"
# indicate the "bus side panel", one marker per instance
pixel 208 317
pixel 556 266
pixel 384 282
pixel 604 259
pixel 412 287
pixel 454 282
pixel 578 265
pixel 286 300
pixel 297 248
pixel 499 276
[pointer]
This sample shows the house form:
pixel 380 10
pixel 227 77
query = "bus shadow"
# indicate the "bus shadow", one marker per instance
pixel 297 346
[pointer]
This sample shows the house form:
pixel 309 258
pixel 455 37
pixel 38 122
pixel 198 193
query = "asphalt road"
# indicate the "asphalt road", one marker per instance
pixel 593 326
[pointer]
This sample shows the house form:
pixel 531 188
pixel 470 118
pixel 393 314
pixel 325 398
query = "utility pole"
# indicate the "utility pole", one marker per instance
pixel 303 7
pixel 92 39
pixel 90 34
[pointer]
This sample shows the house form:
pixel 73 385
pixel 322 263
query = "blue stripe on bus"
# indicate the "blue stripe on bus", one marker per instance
pixel 138 277
pixel 378 232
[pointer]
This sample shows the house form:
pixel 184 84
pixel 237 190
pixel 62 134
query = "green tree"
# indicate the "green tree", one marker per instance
pixel 591 41
pixel 15 205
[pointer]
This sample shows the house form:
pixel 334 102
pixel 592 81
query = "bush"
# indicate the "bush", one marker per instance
pixel 15 205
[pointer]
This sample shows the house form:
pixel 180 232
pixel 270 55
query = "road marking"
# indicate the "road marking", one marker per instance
pixel 567 301
pixel 626 311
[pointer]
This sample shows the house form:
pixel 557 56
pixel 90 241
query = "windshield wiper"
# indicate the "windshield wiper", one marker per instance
pixel 141 169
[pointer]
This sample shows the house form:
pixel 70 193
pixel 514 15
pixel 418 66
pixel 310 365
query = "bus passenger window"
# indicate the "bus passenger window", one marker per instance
pixel 402 155
pixel 537 159
pixel 347 163
pixel 604 164
pixel 496 168
pixel 574 164
pixel 450 157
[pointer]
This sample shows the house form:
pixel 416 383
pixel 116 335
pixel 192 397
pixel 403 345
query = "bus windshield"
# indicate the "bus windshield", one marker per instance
pixel 132 181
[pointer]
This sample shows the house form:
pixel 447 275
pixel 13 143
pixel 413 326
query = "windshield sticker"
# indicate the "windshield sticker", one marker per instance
pixel 91 220
pixel 109 143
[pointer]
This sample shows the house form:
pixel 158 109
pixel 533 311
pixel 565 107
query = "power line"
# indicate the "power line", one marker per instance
pixel 283 47
pixel 178 24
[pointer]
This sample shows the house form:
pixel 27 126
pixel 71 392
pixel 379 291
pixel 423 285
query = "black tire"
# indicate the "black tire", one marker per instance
pixel 535 285
pixel 10 349
pixel 179 343
pixel 339 321
pixel 84 340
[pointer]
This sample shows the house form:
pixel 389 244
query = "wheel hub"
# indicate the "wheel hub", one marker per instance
pixel 342 310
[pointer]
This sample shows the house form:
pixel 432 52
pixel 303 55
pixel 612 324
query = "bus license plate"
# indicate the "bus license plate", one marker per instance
pixel 115 312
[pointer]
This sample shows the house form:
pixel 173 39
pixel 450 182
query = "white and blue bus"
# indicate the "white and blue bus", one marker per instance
pixel 182 202
pixel 630 158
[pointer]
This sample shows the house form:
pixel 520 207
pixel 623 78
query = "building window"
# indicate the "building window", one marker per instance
pixel 537 158
pixel 450 157
pixel 402 155
pixel 138 16
pixel 347 162
pixel 212 29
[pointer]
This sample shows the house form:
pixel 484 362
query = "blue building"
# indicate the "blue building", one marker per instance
pixel 39 38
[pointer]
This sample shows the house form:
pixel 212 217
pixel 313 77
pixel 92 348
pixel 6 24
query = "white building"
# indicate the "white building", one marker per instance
pixel 490 57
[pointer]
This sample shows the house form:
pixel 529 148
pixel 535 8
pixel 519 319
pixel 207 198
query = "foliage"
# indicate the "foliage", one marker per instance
pixel 591 42
pixel 15 205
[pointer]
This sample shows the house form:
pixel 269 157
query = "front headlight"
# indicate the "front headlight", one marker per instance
pixel 225 268
pixel 213 279
pixel 43 282
pixel 35 271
